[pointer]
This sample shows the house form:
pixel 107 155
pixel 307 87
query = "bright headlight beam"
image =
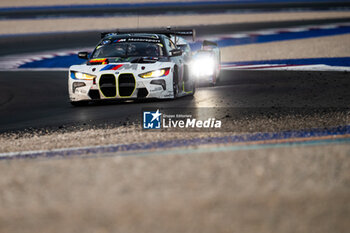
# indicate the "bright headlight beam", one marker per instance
pixel 83 76
pixel 155 73
pixel 203 67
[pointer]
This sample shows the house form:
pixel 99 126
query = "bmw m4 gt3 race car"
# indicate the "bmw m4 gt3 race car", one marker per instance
pixel 132 65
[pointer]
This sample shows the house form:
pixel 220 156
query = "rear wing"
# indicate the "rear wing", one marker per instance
pixel 166 31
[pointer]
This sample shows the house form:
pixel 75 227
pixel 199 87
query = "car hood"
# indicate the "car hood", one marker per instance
pixel 120 67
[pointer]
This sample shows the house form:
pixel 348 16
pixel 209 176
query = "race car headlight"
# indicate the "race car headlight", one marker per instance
pixel 203 66
pixel 156 73
pixel 82 76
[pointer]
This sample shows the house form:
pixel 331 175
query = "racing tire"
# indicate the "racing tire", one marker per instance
pixel 217 77
pixel 217 80
pixel 79 103
pixel 193 88
pixel 175 83
pixel 214 82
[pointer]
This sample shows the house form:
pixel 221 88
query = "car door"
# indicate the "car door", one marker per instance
pixel 178 60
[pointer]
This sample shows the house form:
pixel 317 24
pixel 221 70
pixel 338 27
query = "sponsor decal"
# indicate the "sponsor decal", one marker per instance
pixel 99 61
pixel 150 40
pixel 120 67
pixel 119 40
pixel 129 67
pixel 111 67
pixel 132 39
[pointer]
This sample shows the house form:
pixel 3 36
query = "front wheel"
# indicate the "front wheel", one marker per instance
pixel 175 83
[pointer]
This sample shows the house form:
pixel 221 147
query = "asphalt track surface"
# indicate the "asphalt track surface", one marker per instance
pixel 39 99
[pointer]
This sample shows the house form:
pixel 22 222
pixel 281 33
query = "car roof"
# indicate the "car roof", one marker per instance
pixel 131 35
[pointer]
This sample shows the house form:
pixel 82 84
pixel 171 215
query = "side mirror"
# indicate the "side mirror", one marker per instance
pixel 175 52
pixel 83 55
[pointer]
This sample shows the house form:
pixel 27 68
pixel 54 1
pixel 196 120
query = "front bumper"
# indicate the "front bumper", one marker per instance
pixel 119 86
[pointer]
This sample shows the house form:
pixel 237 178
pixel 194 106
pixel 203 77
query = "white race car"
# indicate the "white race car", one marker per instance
pixel 204 63
pixel 132 65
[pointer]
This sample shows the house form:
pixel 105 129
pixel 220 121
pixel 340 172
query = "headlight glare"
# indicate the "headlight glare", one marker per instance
pixel 203 67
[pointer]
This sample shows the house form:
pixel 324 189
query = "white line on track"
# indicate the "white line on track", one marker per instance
pixel 319 67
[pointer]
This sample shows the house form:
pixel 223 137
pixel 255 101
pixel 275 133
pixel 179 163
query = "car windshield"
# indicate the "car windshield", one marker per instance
pixel 129 49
